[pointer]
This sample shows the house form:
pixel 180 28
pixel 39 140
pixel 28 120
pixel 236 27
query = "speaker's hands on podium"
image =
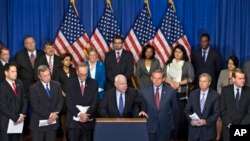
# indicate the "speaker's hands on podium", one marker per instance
pixel 143 114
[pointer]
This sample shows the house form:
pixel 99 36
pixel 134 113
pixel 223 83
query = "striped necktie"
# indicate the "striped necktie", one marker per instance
pixel 202 102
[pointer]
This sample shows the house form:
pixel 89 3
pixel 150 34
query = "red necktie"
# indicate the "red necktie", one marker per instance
pixel 50 65
pixel 32 59
pixel 14 88
pixel 157 98
pixel 82 88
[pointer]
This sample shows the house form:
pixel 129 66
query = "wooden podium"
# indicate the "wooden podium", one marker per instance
pixel 121 129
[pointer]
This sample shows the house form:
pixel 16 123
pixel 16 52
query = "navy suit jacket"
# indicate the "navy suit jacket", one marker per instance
pixel 43 106
pixel 74 97
pixel 210 113
pixel 125 67
pixel 10 104
pixel 212 66
pixel 133 104
pixel 100 76
pixel 163 118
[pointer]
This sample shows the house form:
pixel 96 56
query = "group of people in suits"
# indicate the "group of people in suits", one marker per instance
pixel 51 89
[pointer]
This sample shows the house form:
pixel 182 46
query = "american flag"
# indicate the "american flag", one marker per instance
pixel 106 29
pixel 168 36
pixel 141 33
pixel 72 37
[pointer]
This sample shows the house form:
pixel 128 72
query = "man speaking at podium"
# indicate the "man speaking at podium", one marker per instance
pixel 122 101
pixel 161 103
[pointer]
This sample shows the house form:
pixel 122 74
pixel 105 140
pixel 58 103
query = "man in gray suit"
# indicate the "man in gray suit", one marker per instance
pixel 205 103
pixel 161 104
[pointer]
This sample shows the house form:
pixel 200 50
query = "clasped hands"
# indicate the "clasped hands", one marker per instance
pixel 198 122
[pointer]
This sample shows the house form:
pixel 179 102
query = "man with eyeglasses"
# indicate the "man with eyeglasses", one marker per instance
pixel 118 61
pixel 82 93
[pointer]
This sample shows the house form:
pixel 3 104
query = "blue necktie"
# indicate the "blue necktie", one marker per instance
pixel 47 90
pixel 204 56
pixel 202 102
pixel 121 104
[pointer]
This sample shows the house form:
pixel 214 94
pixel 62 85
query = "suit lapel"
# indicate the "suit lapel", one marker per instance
pixel 43 91
pixel 27 58
pixel 207 102
pixel 164 95
pixel 198 104
pixel 10 88
pixel 114 100
pixel 242 97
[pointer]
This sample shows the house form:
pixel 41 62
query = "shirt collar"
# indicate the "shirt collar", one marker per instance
pixel 205 92
pixel 81 81
pixel 34 52
pixel 3 62
pixel 207 50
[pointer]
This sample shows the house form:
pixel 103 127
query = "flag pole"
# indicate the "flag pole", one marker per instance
pixel 109 4
pixel 171 2
pixel 73 3
pixel 147 4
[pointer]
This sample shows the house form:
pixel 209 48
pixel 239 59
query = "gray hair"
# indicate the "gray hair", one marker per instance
pixel 42 68
pixel 81 65
pixel 206 75
pixel 118 77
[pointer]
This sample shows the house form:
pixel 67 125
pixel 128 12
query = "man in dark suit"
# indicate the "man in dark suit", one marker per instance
pixel 4 59
pixel 49 59
pixel 235 103
pixel 206 60
pixel 13 103
pixel 122 101
pixel 25 61
pixel 205 103
pixel 46 101
pixel 161 104
pixel 118 61
pixel 81 91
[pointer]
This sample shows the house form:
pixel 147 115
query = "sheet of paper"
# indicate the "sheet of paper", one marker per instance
pixel 100 89
pixel 194 116
pixel 14 128
pixel 45 123
pixel 82 109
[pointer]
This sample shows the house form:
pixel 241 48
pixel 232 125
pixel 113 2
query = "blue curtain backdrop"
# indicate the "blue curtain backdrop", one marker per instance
pixel 227 21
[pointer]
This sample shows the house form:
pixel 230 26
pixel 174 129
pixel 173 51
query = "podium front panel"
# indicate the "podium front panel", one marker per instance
pixel 121 129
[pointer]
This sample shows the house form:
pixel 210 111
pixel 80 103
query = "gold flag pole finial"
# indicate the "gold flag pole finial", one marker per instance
pixel 147 4
pixel 109 4
pixel 171 2
pixel 73 3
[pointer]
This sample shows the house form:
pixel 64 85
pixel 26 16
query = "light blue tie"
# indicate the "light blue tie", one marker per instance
pixel 47 90
pixel 121 104
pixel 202 102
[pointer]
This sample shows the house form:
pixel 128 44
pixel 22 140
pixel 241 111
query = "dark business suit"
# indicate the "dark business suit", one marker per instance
pixel 230 114
pixel 133 102
pixel 210 113
pixel 2 75
pixel 10 108
pixel 125 67
pixel 24 67
pixel 74 97
pixel 212 66
pixel 143 76
pixel 42 107
pixel 42 60
pixel 100 76
pixel 160 121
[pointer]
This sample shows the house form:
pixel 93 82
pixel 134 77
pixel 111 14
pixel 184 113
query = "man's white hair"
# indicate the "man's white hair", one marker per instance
pixel 119 77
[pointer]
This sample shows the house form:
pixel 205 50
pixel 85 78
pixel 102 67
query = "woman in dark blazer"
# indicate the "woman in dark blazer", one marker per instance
pixel 179 74
pixel 65 73
pixel 96 71
pixel 145 66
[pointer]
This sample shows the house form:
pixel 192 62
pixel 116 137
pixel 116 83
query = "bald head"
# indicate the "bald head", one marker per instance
pixel 121 83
